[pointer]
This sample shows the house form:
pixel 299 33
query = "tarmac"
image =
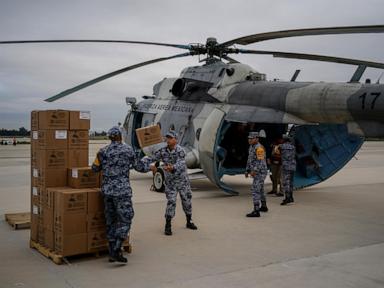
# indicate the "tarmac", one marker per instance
pixel 333 236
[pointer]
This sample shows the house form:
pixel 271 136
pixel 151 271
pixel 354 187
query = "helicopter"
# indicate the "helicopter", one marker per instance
pixel 214 106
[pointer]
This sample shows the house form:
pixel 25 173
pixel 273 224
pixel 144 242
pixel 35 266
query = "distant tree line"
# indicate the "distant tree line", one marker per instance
pixel 102 133
pixel 13 133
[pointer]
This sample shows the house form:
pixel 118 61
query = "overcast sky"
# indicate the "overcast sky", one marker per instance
pixel 30 73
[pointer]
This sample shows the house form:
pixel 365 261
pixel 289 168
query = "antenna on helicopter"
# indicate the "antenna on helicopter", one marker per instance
pixel 293 79
pixel 358 74
pixel 378 80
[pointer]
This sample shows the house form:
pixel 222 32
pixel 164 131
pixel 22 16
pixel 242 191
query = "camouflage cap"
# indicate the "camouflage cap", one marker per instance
pixel 114 131
pixel 252 135
pixel 171 134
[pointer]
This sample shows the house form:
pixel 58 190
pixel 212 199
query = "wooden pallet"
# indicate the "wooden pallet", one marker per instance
pixel 59 259
pixel 19 220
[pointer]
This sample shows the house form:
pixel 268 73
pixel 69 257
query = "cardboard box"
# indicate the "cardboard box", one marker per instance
pixel 35 153
pixel 78 158
pixel 49 238
pixel 34 120
pixel 34 141
pixel 95 201
pixel 48 196
pixel 35 176
pixel 35 223
pixel 52 139
pixel 53 120
pixel 83 177
pixel 70 223
pixel 40 234
pixel 35 195
pixel 78 139
pixel 69 245
pixel 96 222
pixel 97 241
pixel 149 135
pixel 70 200
pixel 51 177
pixel 52 159
pixel 47 218
pixel 79 120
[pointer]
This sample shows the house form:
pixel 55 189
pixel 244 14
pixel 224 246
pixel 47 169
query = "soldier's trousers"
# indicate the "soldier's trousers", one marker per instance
pixel 287 182
pixel 257 190
pixel 186 200
pixel 275 177
pixel 118 216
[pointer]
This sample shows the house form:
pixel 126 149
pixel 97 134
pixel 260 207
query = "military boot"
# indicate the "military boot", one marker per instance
pixel 111 249
pixel 118 253
pixel 168 226
pixel 190 224
pixel 286 201
pixel 255 212
pixel 264 207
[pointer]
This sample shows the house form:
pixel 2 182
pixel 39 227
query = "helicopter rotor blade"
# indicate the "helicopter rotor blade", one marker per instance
pixel 314 57
pixel 112 74
pixel 231 60
pixel 303 32
pixel 188 47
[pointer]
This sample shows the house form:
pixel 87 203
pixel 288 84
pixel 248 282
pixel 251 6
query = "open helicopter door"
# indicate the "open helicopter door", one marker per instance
pixel 209 150
pixel 321 151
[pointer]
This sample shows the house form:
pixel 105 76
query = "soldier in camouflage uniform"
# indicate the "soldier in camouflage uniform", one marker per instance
pixel 176 180
pixel 288 167
pixel 257 168
pixel 115 161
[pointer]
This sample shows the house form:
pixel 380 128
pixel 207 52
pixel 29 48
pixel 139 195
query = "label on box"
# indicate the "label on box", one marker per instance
pixel 85 115
pixel 35 210
pixel 35 172
pixel 35 191
pixel 61 134
pixel 75 173
pixel 35 135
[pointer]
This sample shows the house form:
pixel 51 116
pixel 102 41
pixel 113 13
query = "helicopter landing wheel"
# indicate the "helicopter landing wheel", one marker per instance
pixel 158 180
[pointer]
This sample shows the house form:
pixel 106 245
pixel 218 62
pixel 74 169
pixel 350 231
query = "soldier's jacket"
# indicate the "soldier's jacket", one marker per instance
pixel 288 156
pixel 256 159
pixel 176 157
pixel 115 160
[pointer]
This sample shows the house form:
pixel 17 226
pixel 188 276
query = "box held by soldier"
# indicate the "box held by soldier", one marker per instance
pixel 149 135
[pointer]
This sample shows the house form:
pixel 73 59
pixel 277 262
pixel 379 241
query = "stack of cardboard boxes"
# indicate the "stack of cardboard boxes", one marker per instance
pixel 67 213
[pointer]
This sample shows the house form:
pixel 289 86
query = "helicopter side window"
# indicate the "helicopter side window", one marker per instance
pixel 221 72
